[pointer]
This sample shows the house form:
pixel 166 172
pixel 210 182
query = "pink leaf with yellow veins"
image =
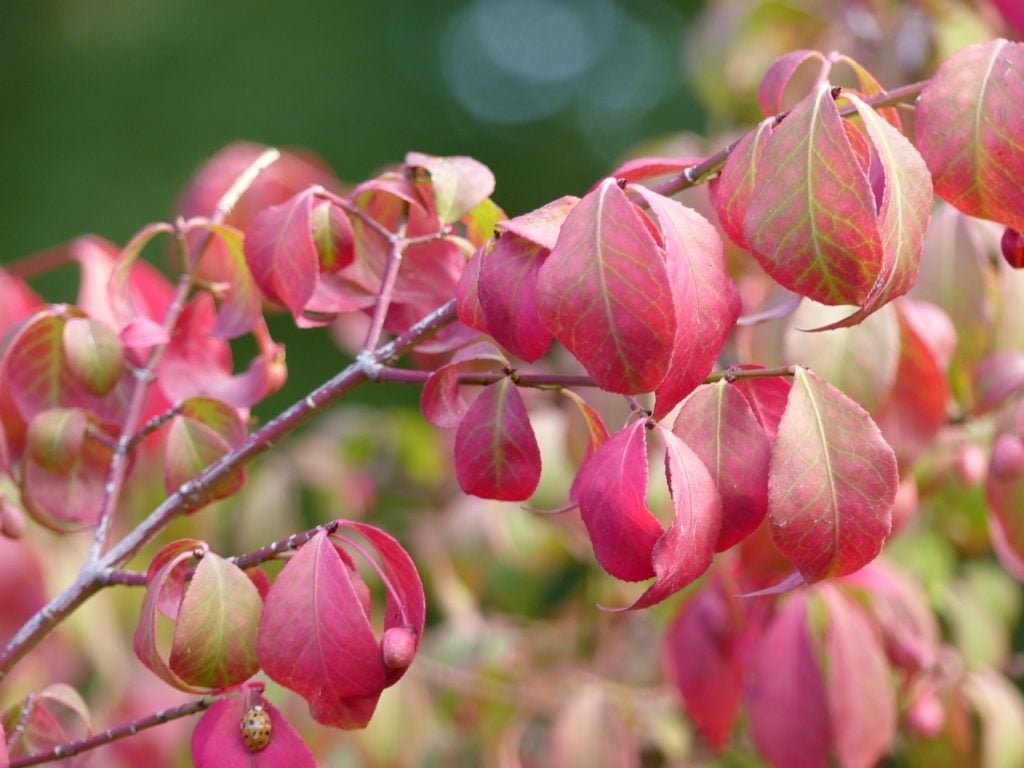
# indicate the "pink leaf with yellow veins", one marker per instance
pixel 969 124
pixel 732 190
pixel 812 221
pixel 603 292
pixel 832 482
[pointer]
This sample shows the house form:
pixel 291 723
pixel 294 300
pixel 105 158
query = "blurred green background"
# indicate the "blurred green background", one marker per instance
pixel 110 105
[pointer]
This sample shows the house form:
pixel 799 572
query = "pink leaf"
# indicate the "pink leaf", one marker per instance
pixel 467 293
pixel 496 453
pixel 507 291
pixel 766 397
pixel 967 122
pixel 705 298
pixel 786 697
pixel 456 184
pixel 17 301
pixel 704 656
pixel 205 431
pixel 830 253
pixel 859 692
pixel 685 550
pixel 604 293
pixel 732 190
pixel 718 425
pixel 610 488
pixel 773 84
pixel 542 225
pixel 281 252
pixel 240 308
pixel 832 482
pixel 315 638
pixel 641 168
pixel 124 304
pixel 217 740
pixel 442 401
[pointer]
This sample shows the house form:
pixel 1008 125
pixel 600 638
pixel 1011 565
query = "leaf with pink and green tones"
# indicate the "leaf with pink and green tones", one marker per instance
pixel 135 322
pixel 507 291
pixel 481 221
pixel 832 482
pixel 610 489
pixel 165 582
pixel 732 189
pixel 861 360
pixel 968 122
pixel 903 213
pixel 773 85
pixel 456 184
pixel 716 422
pixel 46 720
pixel 641 168
pixel 704 657
pixel 203 432
pixel 195 363
pixel 857 682
pixel 217 741
pixel 496 452
pixel 704 296
pixel 37 376
pixel 93 354
pixel 332 236
pixel 687 546
pixel 315 637
pixel 442 401
pixel 405 605
pixel 766 396
pixel 542 225
pixel 604 293
pixel 785 695
pixel 65 469
pixel 867 87
pixel 597 432
pixel 918 403
pixel 812 221
pixel 214 643
pixel 281 252
pixel 240 299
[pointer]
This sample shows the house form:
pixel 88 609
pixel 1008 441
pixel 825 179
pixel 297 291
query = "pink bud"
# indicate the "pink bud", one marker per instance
pixel 926 714
pixel 398 647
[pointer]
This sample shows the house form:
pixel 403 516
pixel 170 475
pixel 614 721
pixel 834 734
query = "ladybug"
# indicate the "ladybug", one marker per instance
pixel 256 727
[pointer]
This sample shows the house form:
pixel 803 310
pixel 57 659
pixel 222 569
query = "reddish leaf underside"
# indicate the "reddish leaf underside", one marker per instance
pixel 443 401
pixel 316 639
pixel 214 641
pixel 496 452
pixel 786 698
pixel 773 85
pixel 217 739
pixel 704 296
pixel 457 184
pixel 604 293
pixel 240 308
pixel 968 122
pixel 610 488
pixel 766 397
pixel 812 221
pixel 716 422
pixel 281 252
pixel 831 484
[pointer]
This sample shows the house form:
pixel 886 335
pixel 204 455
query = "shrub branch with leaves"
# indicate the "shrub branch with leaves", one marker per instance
pixel 776 474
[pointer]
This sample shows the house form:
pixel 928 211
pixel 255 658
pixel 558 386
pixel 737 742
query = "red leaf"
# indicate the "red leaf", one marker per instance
pixel 860 695
pixel 542 225
pixel 830 253
pixel 315 637
pixel 467 293
pixel 718 425
pixel 640 168
pixel 832 482
pixel 496 453
pixel 281 252
pixel 164 585
pixel 17 301
pixel 704 655
pixel 604 293
pixel 786 698
pixel 442 400
pixel 217 740
pixel 685 550
pixel 610 488
pixel 777 77
pixel 507 291
pixel 967 121
pixel 240 308
pixel 732 189
pixel 766 396
pixel 705 297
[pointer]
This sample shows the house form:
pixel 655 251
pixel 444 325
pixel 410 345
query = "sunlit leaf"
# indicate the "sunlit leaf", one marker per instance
pixel 832 482
pixel 733 188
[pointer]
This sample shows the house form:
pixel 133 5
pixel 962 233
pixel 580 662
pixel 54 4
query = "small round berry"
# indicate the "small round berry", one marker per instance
pixel 256 728
pixel 1013 248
